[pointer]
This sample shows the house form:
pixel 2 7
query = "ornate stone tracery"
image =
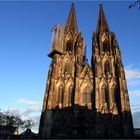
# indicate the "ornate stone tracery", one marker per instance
pixel 83 101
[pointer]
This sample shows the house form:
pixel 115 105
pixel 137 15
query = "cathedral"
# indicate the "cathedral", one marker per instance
pixel 82 100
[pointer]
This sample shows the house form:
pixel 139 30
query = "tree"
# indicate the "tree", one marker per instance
pixel 1 118
pixel 135 4
pixel 28 124
pixel 10 119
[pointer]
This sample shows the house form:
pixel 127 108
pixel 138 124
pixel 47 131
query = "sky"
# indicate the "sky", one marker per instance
pixel 25 41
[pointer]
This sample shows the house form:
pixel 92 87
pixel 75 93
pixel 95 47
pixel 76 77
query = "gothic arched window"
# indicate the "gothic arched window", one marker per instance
pixel 70 94
pixel 106 47
pixel 113 93
pixel 60 94
pixel 106 68
pixel 69 46
pixel 67 69
pixel 88 98
pixel 107 97
pixel 84 98
pixel 75 48
pixel 87 95
pixel 103 94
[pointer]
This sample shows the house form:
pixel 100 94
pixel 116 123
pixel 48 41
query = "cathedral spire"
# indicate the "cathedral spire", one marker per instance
pixel 71 22
pixel 102 25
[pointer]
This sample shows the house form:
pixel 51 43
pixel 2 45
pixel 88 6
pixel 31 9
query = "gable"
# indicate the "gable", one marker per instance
pixel 86 81
pixel 86 71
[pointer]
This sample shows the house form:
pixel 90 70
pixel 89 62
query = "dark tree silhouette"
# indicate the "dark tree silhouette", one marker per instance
pixel 135 4
pixel 28 124
pixel 11 119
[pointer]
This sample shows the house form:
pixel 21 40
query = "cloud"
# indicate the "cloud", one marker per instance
pixel 136 119
pixel 133 81
pixel 31 110
pixel 25 112
pixel 31 106
pixel 28 111
pixel 132 75
pixel 15 110
pixel 135 107
pixel 37 121
pixel 134 92
pixel 29 102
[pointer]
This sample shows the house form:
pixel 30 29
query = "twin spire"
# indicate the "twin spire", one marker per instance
pixel 71 24
pixel 102 25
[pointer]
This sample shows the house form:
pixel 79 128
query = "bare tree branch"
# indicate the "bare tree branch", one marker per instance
pixel 135 4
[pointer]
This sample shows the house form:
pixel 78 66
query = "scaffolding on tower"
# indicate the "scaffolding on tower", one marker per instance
pixel 57 40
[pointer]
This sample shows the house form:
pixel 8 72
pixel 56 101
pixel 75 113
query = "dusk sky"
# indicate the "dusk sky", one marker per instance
pixel 25 41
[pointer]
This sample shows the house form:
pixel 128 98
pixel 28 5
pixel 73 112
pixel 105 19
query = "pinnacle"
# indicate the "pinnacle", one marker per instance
pixel 71 24
pixel 102 25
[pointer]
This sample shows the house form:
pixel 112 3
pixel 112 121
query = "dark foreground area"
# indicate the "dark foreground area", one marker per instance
pixel 28 134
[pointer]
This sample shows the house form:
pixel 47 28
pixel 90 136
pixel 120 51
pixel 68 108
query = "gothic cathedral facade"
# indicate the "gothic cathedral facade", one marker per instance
pixel 83 101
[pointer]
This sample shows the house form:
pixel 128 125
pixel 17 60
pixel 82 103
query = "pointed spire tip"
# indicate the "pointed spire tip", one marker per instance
pixel 71 23
pixel 102 25
pixel 100 3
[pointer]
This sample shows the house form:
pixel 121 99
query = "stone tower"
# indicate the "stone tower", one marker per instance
pixel 111 95
pixel 70 80
pixel 67 70
pixel 80 101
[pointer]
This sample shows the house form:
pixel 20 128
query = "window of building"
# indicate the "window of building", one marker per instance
pixel 107 68
pixel 67 69
pixel 86 98
pixel 105 95
pixel 69 46
pixel 60 94
pixel 112 93
pixel 106 47
pixel 70 94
